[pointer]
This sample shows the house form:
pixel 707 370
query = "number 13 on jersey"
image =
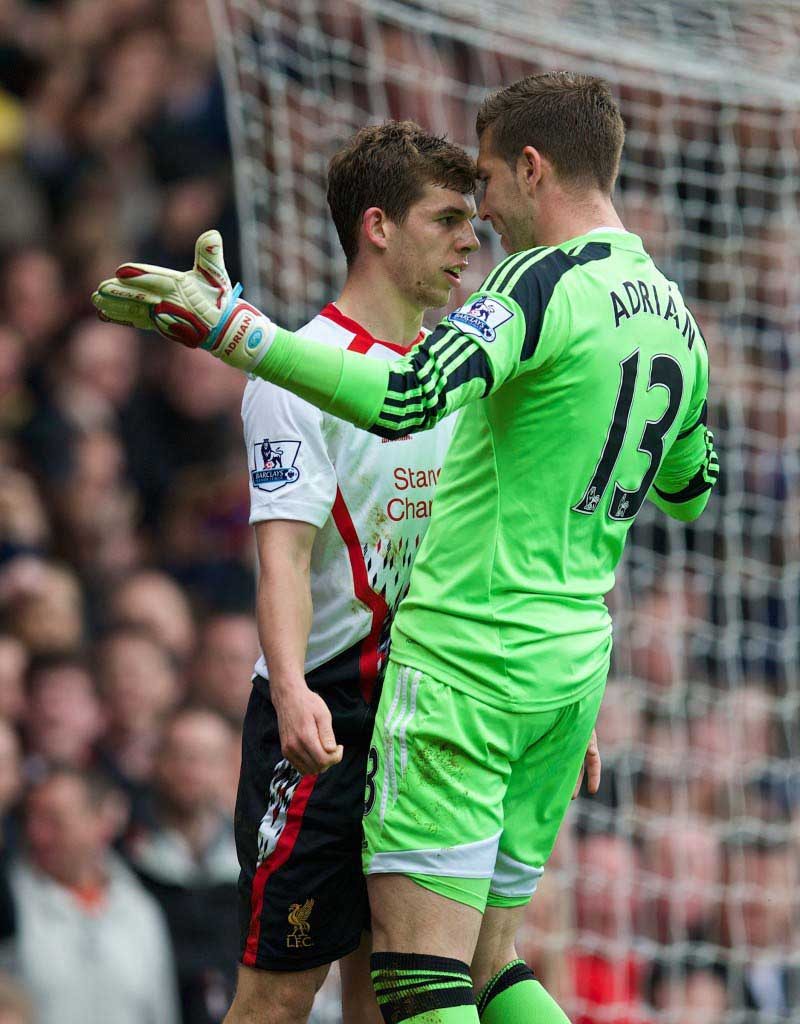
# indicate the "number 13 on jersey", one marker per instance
pixel 665 372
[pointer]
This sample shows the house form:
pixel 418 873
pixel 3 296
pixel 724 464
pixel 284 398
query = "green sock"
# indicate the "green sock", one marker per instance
pixel 514 996
pixel 411 987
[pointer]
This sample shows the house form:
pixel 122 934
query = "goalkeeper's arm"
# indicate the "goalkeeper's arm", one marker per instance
pixel 442 373
pixel 200 308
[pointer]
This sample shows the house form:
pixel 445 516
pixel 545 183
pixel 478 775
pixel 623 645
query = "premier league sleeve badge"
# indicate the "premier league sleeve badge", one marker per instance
pixel 274 464
pixel 481 317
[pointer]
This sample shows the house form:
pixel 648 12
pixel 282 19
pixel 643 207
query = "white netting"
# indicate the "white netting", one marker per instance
pixel 685 871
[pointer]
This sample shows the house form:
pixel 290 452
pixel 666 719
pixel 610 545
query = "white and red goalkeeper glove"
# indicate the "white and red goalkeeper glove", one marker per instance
pixel 198 308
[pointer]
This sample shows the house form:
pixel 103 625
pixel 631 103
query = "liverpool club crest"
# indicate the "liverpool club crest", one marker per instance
pixel 300 935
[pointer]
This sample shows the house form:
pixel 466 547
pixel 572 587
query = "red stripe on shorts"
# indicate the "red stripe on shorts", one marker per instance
pixel 368 660
pixel 278 857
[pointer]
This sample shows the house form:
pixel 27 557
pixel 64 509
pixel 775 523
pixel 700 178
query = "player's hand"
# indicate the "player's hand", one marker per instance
pixel 711 462
pixel 306 730
pixel 197 307
pixel 591 767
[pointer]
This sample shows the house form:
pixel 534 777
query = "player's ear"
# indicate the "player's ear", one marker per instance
pixel 530 165
pixel 376 226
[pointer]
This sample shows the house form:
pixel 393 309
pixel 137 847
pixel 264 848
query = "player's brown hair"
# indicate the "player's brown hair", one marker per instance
pixel 572 119
pixel 388 165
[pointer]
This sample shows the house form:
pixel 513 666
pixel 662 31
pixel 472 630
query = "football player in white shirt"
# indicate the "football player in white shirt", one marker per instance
pixel 339 514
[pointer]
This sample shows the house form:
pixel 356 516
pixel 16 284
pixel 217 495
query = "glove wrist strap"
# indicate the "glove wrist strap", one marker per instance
pixel 210 343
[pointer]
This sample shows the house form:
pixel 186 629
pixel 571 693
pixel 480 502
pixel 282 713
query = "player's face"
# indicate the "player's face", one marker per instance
pixel 430 249
pixel 503 202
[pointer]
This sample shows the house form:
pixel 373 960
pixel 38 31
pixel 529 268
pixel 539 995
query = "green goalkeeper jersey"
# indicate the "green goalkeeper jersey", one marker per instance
pixel 593 378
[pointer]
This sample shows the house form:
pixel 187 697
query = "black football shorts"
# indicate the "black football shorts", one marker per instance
pixel 302 896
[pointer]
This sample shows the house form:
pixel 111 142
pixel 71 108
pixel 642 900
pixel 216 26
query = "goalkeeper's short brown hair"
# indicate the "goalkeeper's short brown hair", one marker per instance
pixel 388 165
pixel 572 119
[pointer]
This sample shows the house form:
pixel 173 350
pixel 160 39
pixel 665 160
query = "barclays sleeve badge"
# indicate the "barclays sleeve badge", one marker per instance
pixel 274 464
pixel 481 317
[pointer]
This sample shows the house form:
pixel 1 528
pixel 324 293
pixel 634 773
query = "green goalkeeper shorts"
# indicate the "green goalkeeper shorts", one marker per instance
pixel 465 798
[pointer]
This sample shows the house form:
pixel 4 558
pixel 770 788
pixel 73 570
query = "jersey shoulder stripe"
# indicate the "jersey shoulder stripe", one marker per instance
pixel 532 286
pixel 497 279
pixel 420 378
pixel 412 397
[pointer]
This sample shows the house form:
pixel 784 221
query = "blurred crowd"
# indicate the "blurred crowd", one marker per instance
pixel 127 635
pixel 127 638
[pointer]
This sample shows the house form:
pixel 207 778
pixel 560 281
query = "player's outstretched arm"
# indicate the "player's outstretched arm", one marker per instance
pixel 201 309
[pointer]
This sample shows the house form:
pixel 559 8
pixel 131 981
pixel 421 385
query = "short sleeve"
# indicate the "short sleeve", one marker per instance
pixel 290 471
pixel 494 323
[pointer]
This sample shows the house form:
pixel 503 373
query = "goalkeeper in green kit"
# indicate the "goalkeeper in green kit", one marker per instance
pixel 582 379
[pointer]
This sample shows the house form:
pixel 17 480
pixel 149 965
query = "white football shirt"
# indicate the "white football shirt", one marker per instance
pixel 370 499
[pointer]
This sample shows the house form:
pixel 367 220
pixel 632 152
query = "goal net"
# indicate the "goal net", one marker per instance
pixel 674 891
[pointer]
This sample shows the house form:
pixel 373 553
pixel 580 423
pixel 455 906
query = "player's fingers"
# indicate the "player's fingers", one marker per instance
pixel 111 310
pixel 160 280
pixel 322 758
pixel 121 309
pixel 317 760
pixel 593 772
pixel 116 289
pixel 302 766
pixel 593 765
pixel 577 788
pixel 124 318
pixel 209 257
pixel 295 754
pixel 314 755
pixel 332 759
pixel 325 732
pixel 306 749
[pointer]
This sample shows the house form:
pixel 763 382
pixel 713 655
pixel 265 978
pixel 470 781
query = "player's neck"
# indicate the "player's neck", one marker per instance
pixel 380 309
pixel 573 219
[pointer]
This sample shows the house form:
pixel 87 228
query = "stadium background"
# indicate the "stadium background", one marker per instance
pixel 126 579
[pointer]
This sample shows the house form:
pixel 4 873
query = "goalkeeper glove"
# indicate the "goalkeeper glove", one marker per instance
pixel 198 307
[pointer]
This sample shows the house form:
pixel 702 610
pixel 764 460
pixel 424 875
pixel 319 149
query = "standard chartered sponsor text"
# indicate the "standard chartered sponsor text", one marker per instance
pixel 408 506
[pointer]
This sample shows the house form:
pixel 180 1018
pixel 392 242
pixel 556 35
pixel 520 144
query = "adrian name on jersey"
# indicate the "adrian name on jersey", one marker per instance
pixel 635 297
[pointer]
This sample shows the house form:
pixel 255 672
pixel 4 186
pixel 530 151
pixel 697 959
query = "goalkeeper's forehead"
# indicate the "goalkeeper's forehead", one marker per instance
pixel 488 159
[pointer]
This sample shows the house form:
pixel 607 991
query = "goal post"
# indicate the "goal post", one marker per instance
pixel 702 721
